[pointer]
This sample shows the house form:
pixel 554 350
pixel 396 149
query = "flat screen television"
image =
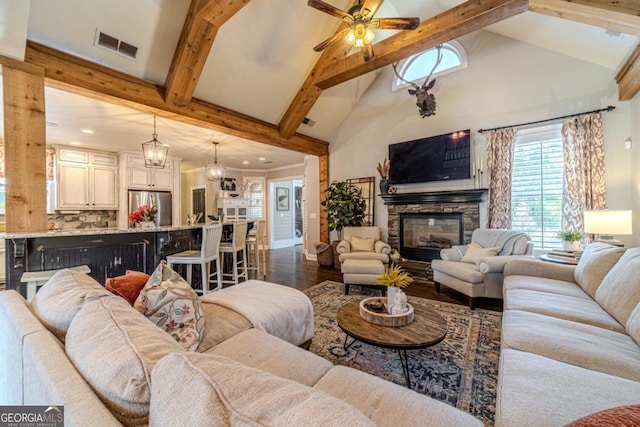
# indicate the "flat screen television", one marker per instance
pixel 435 158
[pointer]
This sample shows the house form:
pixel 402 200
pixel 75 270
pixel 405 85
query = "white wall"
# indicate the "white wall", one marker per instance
pixel 507 82
pixel 634 155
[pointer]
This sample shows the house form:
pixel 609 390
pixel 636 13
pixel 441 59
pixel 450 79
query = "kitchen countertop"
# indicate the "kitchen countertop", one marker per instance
pixel 92 231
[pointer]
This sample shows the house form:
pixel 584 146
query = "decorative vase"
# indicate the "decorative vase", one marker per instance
pixel 400 303
pixel 570 246
pixel 384 186
pixel 146 225
pixel 391 296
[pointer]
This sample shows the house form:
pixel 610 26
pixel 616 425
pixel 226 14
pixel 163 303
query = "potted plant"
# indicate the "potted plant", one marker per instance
pixel 570 240
pixel 394 278
pixel 344 206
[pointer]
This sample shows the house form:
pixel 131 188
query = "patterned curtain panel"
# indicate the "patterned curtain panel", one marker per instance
pixel 50 155
pixel 584 180
pixel 499 161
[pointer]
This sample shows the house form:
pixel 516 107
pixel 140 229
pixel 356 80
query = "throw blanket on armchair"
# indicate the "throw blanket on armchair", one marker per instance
pixel 283 312
pixel 505 239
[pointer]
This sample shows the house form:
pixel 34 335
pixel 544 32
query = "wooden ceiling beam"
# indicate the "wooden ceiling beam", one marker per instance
pixel 463 19
pixel 199 31
pixel 78 75
pixel 628 78
pixel 618 15
pixel 309 93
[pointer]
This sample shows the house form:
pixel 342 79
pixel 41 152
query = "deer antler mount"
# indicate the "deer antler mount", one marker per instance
pixel 425 101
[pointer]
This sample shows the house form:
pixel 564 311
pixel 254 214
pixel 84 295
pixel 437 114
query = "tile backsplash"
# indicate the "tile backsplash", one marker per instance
pixel 82 220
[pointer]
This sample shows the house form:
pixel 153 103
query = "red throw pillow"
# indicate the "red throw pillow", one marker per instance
pixel 127 286
pixel 627 416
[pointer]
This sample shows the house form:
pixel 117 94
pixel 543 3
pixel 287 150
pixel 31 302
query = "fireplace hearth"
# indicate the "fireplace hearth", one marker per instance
pixel 446 210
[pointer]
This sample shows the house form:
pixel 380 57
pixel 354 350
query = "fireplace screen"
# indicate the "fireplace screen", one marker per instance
pixel 423 235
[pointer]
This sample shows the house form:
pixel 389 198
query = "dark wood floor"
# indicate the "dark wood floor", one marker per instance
pixel 288 267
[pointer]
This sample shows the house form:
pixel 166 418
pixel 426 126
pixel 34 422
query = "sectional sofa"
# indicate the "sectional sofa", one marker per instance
pixel 79 346
pixel 570 340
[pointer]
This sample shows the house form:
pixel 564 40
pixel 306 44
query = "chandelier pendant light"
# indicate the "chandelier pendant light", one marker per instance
pixel 155 152
pixel 215 171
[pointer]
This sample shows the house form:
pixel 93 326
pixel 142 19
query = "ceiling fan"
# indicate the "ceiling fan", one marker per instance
pixel 360 22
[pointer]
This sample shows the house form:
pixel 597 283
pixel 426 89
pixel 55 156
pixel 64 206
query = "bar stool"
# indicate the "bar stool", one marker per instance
pixel 237 244
pixel 255 247
pixel 209 251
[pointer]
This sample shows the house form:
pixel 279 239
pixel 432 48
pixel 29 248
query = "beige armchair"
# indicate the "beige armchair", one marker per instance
pixel 363 257
pixel 476 270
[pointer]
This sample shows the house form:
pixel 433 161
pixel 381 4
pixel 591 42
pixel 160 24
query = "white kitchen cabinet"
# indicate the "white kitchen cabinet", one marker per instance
pixel 233 208
pixel 87 180
pixel 143 178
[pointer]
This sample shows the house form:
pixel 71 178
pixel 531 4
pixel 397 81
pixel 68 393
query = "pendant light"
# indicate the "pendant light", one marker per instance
pixel 155 152
pixel 215 171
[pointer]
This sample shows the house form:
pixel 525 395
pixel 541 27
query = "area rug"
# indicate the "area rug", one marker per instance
pixel 461 371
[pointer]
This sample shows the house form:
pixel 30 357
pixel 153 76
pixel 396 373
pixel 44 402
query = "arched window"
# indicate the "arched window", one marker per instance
pixel 416 67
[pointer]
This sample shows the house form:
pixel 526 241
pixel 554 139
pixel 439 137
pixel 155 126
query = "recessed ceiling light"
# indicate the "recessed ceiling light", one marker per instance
pixel 87 131
pixel 262 159
pixel 245 162
pixel 76 143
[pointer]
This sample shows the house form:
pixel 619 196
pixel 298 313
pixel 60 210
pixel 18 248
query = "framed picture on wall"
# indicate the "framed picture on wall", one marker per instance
pixel 282 199
pixel 228 184
pixel 367 186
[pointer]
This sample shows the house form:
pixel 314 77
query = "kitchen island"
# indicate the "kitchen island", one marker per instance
pixel 107 252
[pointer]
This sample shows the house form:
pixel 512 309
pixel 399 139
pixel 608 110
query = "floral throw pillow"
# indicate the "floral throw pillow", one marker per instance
pixel 169 302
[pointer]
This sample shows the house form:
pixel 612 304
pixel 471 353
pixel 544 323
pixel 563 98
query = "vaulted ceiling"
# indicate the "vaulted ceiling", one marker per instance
pixel 243 71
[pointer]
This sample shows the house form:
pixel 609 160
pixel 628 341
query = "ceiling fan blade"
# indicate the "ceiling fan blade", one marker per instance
pixel 372 6
pixel 395 23
pixel 327 8
pixel 337 36
pixel 367 52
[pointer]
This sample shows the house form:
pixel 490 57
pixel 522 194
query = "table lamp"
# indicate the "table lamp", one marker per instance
pixel 606 223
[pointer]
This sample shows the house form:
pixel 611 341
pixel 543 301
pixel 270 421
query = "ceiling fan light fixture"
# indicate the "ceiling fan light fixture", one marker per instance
pixel 215 171
pixel 154 152
pixel 359 35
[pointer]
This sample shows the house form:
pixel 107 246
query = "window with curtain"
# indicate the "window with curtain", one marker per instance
pixel 537 182
pixel 256 198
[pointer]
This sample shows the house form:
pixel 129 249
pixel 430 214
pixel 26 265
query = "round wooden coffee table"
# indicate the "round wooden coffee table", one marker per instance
pixel 427 329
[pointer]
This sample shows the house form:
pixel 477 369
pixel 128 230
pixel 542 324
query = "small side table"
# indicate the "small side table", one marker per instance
pixel 559 259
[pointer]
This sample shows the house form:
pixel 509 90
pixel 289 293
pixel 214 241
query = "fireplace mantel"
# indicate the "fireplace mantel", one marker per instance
pixel 459 196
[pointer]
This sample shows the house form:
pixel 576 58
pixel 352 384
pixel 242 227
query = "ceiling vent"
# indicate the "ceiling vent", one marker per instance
pixel 307 121
pixel 266 162
pixel 115 45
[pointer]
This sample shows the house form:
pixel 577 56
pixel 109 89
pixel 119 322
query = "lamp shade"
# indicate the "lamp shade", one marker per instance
pixel 608 222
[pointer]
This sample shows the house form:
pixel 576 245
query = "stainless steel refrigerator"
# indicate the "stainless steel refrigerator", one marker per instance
pixel 160 199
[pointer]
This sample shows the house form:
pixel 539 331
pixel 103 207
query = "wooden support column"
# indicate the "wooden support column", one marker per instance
pixel 25 144
pixel 324 184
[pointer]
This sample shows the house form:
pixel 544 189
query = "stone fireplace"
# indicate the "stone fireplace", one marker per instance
pixel 420 223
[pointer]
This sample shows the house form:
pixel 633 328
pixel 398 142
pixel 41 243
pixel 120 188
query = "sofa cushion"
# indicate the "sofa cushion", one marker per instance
pixel 170 302
pixel 229 393
pixel 362 244
pixel 475 252
pixel 115 347
pixel 614 417
pixel 543 284
pixel 273 355
pixel 127 286
pixel 221 324
pixel 459 270
pixel 60 299
pixel 594 264
pixel 633 324
pixel 538 391
pixel 575 309
pixel 579 344
pixel 619 292
pixel 389 404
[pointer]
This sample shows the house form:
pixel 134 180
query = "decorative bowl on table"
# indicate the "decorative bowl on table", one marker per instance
pixel 375 310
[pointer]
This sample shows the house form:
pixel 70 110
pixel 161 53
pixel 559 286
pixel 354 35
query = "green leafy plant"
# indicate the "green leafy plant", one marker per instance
pixel 394 276
pixel 570 236
pixel 344 206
